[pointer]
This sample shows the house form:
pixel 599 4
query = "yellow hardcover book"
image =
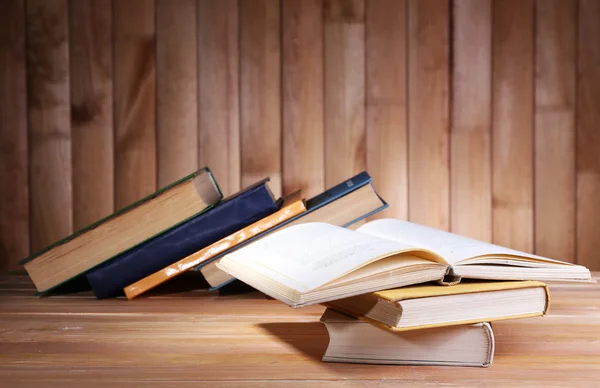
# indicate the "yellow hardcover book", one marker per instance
pixel 291 207
pixel 428 306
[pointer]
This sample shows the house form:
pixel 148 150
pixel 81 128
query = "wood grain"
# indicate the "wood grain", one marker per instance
pixel 555 77
pixel 176 90
pixel 302 99
pixel 386 92
pixel 345 135
pixel 260 92
pixel 51 211
pixel 135 100
pixel 428 113
pixel 512 124
pixel 219 105
pixel 470 153
pixel 90 54
pixel 226 340
pixel 588 134
pixel 14 200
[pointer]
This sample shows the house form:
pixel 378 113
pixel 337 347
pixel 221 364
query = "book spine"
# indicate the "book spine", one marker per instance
pixel 110 278
pixel 292 205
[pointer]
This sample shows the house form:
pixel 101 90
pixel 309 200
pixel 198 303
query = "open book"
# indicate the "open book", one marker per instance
pixel 317 262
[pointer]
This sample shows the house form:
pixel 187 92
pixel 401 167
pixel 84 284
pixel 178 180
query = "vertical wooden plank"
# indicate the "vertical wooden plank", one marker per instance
pixel 588 135
pixel 49 125
pixel 260 94
pixel 135 100
pixel 91 110
pixel 387 147
pixel 512 124
pixel 218 77
pixel 345 136
pixel 176 90
pixel 302 44
pixel 555 128
pixel 14 200
pixel 428 112
pixel 470 160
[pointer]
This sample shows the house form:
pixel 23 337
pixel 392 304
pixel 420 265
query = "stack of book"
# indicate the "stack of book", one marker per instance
pixel 401 293
pixel 187 226
pixel 396 292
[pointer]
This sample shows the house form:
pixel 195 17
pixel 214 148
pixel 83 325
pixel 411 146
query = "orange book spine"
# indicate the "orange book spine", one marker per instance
pixel 291 207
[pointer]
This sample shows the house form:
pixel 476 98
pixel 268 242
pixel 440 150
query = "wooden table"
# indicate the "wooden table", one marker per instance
pixel 199 339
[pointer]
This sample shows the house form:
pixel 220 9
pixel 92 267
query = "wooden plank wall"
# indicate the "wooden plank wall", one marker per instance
pixel 476 116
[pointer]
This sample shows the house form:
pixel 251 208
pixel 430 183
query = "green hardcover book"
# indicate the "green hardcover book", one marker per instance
pixel 123 230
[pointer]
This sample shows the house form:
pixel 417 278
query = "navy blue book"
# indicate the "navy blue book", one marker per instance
pixel 227 217
pixel 359 201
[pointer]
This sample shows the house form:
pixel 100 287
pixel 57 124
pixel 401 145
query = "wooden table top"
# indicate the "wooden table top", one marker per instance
pixel 202 339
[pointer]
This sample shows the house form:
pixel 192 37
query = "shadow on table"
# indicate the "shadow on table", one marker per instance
pixel 310 338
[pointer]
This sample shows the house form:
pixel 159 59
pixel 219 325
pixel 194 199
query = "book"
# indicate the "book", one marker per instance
pixel 317 262
pixel 292 205
pixel 122 230
pixel 354 341
pixel 353 203
pixel 230 215
pixel 427 306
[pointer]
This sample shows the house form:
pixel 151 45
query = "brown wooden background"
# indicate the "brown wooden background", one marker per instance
pixel 477 116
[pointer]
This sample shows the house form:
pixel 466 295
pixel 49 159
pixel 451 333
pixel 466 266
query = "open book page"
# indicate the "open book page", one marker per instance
pixel 454 248
pixel 308 256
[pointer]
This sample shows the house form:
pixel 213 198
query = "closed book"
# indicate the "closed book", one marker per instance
pixel 292 205
pixel 232 214
pixel 354 341
pixel 342 205
pixel 434 305
pixel 122 230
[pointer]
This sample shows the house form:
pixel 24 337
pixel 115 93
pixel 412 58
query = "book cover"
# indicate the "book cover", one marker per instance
pixel 230 215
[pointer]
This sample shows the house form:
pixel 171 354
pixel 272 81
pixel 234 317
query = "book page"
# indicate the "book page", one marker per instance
pixel 452 247
pixel 306 256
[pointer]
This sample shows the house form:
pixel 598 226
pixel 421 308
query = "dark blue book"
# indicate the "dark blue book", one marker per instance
pixel 318 202
pixel 229 216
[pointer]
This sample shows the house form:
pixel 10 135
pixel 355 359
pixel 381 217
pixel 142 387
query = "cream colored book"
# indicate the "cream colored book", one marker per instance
pixel 355 341
pixel 317 262
pixel 433 305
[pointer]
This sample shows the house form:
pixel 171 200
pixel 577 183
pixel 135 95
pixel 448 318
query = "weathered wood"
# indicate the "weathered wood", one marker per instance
pixel 302 98
pixel 386 90
pixel 428 112
pixel 176 90
pixel 470 159
pixel 90 54
pixel 50 172
pixel 588 134
pixel 14 198
pixel 513 123
pixel 260 92
pixel 226 340
pixel 219 105
pixel 135 100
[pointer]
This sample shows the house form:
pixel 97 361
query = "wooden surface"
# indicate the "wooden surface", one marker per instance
pixel 470 153
pixel 14 202
pixel 200 339
pixel 478 116
pixel 90 53
pixel 512 123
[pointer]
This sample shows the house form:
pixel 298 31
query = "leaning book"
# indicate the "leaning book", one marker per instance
pixel 354 341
